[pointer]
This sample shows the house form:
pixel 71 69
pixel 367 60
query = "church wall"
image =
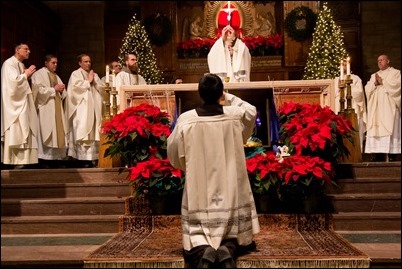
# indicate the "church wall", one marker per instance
pixel 97 28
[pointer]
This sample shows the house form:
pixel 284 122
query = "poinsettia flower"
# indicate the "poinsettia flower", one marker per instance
pixel 314 130
pixel 139 136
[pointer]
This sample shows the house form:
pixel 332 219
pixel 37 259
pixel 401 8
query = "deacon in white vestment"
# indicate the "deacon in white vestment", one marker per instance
pixel 208 144
pixel 358 103
pixel 19 121
pixel 84 111
pixel 229 57
pixel 129 75
pixel 52 135
pixel 383 92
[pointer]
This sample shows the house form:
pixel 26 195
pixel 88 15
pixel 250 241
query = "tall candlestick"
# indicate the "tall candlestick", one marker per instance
pixel 341 71
pixel 348 66
pixel 114 79
pixel 107 73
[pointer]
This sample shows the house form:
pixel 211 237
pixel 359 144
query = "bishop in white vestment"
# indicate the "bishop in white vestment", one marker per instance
pixel 230 57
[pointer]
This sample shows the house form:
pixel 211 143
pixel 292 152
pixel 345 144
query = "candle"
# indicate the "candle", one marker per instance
pixel 114 79
pixel 348 66
pixel 107 74
pixel 341 71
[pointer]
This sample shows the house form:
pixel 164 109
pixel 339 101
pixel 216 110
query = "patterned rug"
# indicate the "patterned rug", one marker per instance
pixel 303 241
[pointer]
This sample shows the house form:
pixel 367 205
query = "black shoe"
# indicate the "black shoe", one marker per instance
pixel 225 259
pixel 208 258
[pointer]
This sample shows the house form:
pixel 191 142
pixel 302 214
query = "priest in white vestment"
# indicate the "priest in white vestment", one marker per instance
pixel 52 135
pixel 383 92
pixel 218 209
pixel 229 57
pixel 129 75
pixel 358 102
pixel 84 111
pixel 19 121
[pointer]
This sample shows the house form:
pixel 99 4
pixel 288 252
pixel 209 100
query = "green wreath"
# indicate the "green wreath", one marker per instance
pixel 159 29
pixel 300 23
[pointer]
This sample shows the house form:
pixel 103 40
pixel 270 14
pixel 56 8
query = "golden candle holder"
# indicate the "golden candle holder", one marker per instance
pixel 106 116
pixel 113 92
pixel 348 82
pixel 353 147
pixel 108 162
pixel 341 86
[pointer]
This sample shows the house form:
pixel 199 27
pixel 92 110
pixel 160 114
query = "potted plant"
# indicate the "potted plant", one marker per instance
pixel 312 130
pixel 137 133
pixel 303 179
pixel 314 138
pixel 264 171
pixel 139 136
pixel 161 183
pixel 289 184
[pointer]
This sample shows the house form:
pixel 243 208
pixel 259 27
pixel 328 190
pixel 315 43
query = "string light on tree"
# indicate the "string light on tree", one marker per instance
pixel 137 41
pixel 327 48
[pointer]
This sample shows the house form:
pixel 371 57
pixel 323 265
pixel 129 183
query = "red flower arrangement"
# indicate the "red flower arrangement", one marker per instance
pixel 139 136
pixel 201 46
pixel 309 129
pixel 156 177
pixel 194 48
pixel 273 41
pixel 315 138
pixel 266 171
pixel 137 133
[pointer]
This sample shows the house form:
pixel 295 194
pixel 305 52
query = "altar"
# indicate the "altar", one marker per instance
pixel 300 91
pixel 178 98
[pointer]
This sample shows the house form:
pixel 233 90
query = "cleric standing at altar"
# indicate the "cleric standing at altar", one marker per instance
pixel 229 57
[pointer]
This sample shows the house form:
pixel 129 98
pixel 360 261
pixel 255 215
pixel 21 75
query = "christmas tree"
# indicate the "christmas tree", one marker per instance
pixel 137 41
pixel 327 49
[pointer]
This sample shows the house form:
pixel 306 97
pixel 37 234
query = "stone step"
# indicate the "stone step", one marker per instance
pixel 366 202
pixel 367 221
pixel 63 206
pixel 366 185
pixel 379 170
pixel 60 224
pixel 39 251
pixel 70 175
pixel 343 221
pixel 65 190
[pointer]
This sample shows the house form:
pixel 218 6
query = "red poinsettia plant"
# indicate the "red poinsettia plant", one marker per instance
pixel 272 41
pixel 138 136
pixel 200 47
pixel 155 177
pixel 137 133
pixel 267 170
pixel 310 129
